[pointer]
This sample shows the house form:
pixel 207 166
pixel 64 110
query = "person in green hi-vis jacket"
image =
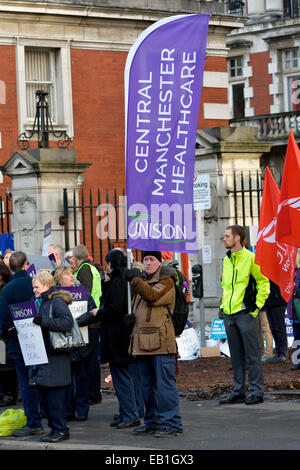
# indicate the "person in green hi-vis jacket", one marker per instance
pixel 245 290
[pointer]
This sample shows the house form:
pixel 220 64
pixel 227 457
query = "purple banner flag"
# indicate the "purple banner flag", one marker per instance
pixel 163 83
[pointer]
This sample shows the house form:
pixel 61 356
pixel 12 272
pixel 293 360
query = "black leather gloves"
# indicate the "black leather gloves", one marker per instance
pixel 37 320
pixel 129 319
pixel 132 273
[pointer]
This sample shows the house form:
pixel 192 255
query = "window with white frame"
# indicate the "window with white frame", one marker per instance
pixel 236 90
pixel 45 68
pixel 236 67
pixel 291 58
pixel 40 75
pixel 291 69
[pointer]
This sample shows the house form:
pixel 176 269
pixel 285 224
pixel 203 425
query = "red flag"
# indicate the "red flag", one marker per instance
pixel 276 260
pixel 288 216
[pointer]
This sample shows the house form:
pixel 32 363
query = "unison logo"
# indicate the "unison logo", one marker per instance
pixel 22 312
pixel 76 295
pixel 164 222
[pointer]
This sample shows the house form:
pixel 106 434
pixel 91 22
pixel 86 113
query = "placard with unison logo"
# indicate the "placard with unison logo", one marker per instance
pixel 29 335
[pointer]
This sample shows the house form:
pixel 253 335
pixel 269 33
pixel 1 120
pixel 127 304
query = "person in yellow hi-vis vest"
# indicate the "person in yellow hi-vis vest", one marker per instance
pixel 88 275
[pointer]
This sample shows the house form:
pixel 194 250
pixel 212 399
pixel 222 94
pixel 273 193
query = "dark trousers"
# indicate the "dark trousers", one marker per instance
pixel 78 391
pixel 276 317
pixel 30 396
pixel 54 402
pixel 242 334
pixel 124 388
pixel 157 376
pixel 133 371
pixel 92 366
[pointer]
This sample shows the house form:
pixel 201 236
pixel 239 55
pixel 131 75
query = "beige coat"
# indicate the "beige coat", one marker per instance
pixel 153 332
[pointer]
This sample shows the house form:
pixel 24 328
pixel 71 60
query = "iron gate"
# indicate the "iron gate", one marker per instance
pixel 247 193
pixel 101 223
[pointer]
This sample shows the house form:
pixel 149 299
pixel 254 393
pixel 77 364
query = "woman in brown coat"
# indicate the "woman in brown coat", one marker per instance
pixel 153 344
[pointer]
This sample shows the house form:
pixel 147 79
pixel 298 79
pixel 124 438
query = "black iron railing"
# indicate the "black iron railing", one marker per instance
pixel 247 192
pixel 97 219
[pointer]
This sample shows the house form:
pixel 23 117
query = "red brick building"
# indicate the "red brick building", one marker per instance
pixel 77 51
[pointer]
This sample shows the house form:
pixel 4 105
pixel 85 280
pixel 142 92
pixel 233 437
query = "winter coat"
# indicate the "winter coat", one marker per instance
pixel 57 373
pixel 19 289
pixel 114 334
pixel 244 286
pixel 153 331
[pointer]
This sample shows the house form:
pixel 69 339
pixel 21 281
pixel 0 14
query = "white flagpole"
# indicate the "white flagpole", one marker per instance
pixel 128 284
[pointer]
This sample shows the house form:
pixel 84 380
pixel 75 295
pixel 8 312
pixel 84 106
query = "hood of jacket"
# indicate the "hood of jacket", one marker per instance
pixel 65 295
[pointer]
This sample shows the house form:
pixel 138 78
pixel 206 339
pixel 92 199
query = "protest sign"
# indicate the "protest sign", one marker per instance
pixel 47 237
pixel 218 329
pixel 79 305
pixel 31 271
pixel 40 262
pixel 29 335
pixel 52 260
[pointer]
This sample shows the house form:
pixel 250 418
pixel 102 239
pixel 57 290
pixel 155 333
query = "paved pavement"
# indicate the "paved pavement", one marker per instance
pixel 272 425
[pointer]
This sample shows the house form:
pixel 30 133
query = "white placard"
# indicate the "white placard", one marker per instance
pixel 31 342
pixel 47 237
pixel 77 308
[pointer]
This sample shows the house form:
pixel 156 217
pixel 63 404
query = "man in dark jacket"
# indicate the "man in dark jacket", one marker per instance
pixel 19 289
pixel 88 275
pixel 275 307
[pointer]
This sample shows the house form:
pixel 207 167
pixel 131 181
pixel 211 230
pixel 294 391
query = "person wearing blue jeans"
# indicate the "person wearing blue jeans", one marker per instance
pixel 154 346
pixel 157 373
pixel 30 396
pixel 19 289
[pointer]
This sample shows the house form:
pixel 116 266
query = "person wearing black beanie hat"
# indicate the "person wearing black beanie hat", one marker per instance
pixel 153 344
pixel 156 254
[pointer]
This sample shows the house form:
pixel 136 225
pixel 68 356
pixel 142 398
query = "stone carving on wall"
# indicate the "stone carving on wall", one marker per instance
pixel 25 213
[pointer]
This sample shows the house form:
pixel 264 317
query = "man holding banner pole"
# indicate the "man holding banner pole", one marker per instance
pixel 154 346
pixel 163 85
